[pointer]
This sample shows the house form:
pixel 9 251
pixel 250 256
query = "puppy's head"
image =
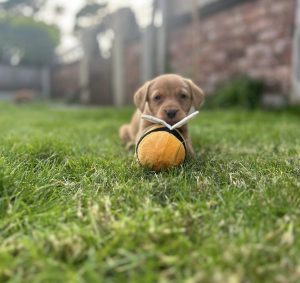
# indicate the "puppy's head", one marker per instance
pixel 169 97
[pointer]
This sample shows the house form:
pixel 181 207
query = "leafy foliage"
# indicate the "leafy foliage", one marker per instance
pixel 90 9
pixel 244 92
pixel 22 7
pixel 31 41
pixel 90 14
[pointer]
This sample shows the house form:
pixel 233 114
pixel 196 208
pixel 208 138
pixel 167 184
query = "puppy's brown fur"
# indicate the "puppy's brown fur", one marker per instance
pixel 168 97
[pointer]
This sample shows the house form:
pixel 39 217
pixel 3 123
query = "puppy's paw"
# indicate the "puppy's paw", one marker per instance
pixel 190 150
pixel 130 146
pixel 191 155
pixel 124 133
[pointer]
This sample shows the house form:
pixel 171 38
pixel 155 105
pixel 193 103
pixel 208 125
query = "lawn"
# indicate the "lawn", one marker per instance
pixel 75 206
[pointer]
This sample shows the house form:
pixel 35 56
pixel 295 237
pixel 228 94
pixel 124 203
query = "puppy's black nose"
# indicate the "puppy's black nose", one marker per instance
pixel 171 113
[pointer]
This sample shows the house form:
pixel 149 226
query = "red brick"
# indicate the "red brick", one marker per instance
pixel 250 38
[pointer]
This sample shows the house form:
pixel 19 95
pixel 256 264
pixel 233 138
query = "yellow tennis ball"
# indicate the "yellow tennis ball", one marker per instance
pixel 160 148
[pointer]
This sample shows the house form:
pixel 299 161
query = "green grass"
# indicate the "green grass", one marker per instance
pixel 75 206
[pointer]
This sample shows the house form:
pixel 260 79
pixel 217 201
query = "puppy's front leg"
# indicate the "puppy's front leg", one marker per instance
pixel 189 147
pixel 188 141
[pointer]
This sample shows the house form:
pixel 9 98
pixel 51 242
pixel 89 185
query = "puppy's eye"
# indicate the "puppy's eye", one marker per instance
pixel 157 97
pixel 183 96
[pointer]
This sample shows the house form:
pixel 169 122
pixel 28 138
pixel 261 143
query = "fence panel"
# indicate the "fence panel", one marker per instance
pixel 20 77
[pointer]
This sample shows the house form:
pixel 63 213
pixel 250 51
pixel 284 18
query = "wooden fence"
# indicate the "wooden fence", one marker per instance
pixel 14 78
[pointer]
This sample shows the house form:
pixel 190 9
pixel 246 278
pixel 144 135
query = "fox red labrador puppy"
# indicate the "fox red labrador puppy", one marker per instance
pixel 168 97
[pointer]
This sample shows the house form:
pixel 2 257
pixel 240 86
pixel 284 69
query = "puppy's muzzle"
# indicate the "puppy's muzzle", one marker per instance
pixel 171 114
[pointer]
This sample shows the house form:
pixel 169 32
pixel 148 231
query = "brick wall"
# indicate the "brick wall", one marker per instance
pixel 253 38
pixel 65 82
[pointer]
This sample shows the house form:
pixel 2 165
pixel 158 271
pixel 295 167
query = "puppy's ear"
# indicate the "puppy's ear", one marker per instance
pixel 197 94
pixel 140 97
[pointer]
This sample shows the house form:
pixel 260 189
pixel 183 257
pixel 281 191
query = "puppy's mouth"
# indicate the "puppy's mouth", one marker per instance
pixel 172 121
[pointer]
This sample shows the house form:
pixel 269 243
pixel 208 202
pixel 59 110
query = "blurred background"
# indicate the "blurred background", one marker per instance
pixel 99 52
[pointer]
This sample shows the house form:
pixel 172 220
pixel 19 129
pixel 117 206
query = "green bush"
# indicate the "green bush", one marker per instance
pixel 33 41
pixel 244 92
